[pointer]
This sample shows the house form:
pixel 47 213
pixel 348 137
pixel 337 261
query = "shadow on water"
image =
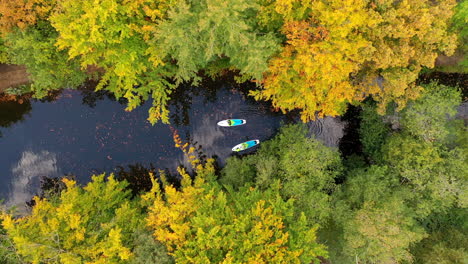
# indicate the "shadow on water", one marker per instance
pixel 91 97
pixel 12 112
pixel 137 176
pixel 449 79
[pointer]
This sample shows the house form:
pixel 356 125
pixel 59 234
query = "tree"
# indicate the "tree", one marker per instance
pixel 305 168
pixel 312 72
pixel 347 50
pixel 95 224
pixel 459 21
pixel 437 177
pixel 446 242
pixel 8 254
pixel 48 68
pixel 215 35
pixel 378 225
pixel 382 233
pixel 3 51
pixel 373 132
pixel 428 117
pixel 410 36
pixel 113 36
pixel 201 223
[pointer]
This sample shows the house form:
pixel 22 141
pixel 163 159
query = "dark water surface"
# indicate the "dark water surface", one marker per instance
pixel 84 133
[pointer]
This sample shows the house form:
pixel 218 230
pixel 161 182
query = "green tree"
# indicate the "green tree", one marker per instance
pixel 437 177
pixel 373 132
pixel 428 116
pixel 446 243
pixel 148 250
pixel 382 233
pixel 378 225
pixel 305 167
pixel 214 35
pixel 48 68
pixel 459 22
pixel 3 51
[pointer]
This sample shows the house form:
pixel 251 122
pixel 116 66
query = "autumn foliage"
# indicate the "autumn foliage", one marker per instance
pixel 23 13
pixel 343 51
pixel 315 56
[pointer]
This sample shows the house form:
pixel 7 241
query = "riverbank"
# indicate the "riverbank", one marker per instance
pixel 12 76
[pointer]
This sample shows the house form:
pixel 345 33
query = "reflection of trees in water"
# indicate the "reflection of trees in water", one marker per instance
pixel 138 177
pixel 51 187
pixel 448 79
pixel 181 98
pixel 91 97
pixel 12 112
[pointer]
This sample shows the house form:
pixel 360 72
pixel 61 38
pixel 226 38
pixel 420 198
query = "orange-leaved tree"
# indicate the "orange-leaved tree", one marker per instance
pixel 343 51
pixel 23 13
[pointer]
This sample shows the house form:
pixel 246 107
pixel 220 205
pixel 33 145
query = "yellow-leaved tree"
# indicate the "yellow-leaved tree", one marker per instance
pixel 93 224
pixel 340 52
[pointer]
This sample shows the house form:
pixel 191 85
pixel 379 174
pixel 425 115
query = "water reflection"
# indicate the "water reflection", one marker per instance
pixel 12 112
pixel 329 130
pixel 27 173
pixel 89 133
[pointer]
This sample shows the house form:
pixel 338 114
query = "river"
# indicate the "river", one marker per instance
pixel 80 132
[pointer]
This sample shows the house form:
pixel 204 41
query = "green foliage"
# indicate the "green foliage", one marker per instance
pixel 383 210
pixel 147 250
pixel 459 22
pixel 239 172
pixel 372 132
pixel 305 167
pixel 49 69
pixel 427 117
pixel 378 227
pixel 437 177
pixel 381 232
pixel 3 51
pixel 19 90
pixel 199 33
pixel 446 243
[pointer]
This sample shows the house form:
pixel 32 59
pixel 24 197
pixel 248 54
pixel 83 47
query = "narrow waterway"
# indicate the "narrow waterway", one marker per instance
pixel 83 133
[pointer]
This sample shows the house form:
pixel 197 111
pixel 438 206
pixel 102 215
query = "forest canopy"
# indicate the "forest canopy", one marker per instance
pixel 314 56
pixel 399 197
